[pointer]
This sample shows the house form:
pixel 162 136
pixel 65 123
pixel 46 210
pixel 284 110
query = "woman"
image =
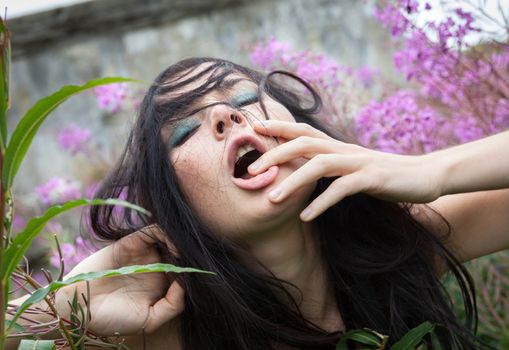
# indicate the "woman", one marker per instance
pixel 311 240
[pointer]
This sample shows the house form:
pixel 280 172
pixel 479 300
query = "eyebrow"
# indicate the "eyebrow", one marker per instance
pixel 228 84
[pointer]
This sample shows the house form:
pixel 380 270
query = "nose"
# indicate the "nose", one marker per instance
pixel 224 120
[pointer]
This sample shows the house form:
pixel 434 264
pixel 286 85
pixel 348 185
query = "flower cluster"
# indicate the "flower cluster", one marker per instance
pixel 74 138
pixel 58 190
pixel 469 85
pixel 319 70
pixel 72 254
pixel 111 97
pixel 399 125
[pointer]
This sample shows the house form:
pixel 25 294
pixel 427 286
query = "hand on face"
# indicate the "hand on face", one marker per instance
pixel 384 175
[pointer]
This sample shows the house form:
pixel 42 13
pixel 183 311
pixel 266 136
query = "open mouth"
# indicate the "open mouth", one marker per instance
pixel 246 155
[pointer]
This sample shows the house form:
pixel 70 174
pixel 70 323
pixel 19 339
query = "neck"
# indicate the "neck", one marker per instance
pixel 291 253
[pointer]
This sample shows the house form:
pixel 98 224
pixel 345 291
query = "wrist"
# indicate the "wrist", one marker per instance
pixel 438 169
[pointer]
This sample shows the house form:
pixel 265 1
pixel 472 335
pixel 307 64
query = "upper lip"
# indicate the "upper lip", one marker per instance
pixel 239 141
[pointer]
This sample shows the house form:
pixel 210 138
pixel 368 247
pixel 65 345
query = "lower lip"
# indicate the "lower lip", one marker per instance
pixel 259 181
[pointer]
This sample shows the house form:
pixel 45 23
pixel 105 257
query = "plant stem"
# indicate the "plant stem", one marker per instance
pixel 53 309
pixel 3 279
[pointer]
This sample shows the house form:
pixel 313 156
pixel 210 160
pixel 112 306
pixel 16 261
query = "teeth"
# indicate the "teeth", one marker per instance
pixel 243 150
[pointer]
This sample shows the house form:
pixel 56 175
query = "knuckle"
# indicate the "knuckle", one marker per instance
pixel 306 141
pixel 322 161
pixel 307 128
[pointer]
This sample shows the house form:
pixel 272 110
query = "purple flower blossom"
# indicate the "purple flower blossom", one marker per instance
pixel 366 76
pixel 111 97
pixel 18 223
pixel 73 138
pixel 399 125
pixel 268 55
pixel 58 190
pixel 72 254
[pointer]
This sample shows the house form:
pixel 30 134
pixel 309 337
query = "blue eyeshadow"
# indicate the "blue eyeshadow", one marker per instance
pixel 182 130
pixel 243 98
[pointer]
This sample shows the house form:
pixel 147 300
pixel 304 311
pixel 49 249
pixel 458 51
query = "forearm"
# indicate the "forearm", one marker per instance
pixel 475 166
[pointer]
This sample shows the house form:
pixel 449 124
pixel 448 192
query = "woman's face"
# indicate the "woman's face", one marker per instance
pixel 210 152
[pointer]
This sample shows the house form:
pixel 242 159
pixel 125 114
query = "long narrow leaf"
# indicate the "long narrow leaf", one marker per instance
pixel 41 293
pixel 14 253
pixel 361 336
pixel 19 328
pixel 37 345
pixel 414 337
pixel 27 128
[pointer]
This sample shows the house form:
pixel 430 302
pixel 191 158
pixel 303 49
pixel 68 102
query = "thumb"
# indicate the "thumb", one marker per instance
pixel 165 309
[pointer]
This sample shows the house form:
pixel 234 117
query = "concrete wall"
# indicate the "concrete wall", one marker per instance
pixel 140 38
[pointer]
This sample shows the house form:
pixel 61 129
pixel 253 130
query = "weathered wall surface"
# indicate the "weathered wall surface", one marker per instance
pixel 140 38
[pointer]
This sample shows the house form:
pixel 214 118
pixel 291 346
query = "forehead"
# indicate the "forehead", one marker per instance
pixel 208 83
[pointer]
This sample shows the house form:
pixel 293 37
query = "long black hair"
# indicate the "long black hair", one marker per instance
pixel 381 261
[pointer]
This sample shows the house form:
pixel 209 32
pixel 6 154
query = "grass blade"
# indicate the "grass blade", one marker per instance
pixel 27 128
pixel 14 253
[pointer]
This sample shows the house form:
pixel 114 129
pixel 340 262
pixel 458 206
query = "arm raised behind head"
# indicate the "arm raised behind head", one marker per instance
pixel 128 305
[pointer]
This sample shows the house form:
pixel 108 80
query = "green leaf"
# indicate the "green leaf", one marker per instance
pixel 41 293
pixel 37 345
pixel 414 337
pixel 27 128
pixel 361 336
pixel 17 327
pixel 15 251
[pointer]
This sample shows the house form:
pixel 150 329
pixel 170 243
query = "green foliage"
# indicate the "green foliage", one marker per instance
pixel 414 337
pixel 27 344
pixel 27 128
pixel 366 336
pixel 369 339
pixel 41 293
pixel 20 244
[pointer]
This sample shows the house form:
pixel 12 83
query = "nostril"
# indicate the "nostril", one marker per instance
pixel 235 118
pixel 220 127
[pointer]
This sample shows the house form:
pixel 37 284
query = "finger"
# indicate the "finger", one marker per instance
pixel 323 165
pixel 288 130
pixel 303 146
pixel 338 189
pixel 150 236
pixel 166 308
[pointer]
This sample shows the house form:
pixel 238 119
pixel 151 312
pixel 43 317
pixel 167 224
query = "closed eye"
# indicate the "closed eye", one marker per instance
pixel 182 133
pixel 243 99
pixel 247 102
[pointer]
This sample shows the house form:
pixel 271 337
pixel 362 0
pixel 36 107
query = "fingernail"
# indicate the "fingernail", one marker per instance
pixel 275 193
pixel 254 166
pixel 306 214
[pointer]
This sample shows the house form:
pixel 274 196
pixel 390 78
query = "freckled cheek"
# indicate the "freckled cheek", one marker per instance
pixel 278 112
pixel 198 177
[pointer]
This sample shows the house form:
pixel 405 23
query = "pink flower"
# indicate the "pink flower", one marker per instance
pixel 72 254
pixel 73 138
pixel 58 190
pixel 269 55
pixel 18 223
pixel 399 125
pixel 366 76
pixel 111 97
